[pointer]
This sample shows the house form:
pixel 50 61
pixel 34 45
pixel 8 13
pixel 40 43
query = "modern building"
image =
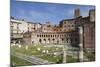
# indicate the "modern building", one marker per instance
pixel 16 33
pixel 14 25
pixel 19 27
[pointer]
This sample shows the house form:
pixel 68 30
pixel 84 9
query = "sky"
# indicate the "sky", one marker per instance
pixel 38 12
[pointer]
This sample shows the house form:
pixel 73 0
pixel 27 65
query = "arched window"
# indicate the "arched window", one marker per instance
pixel 58 35
pixel 51 35
pixel 62 39
pixel 48 35
pixel 37 35
pixel 40 40
pixel 53 40
pixel 40 35
pixel 57 42
pixel 44 35
pixel 32 42
pixel 55 35
pixel 49 39
pixel 67 40
pixel 44 39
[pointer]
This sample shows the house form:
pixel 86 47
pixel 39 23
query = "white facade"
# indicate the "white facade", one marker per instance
pixel 20 26
pixel 37 26
pixel 14 26
pixel 23 26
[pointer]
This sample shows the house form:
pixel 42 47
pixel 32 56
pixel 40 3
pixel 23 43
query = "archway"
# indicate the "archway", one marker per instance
pixel 40 41
pixel 44 40
pixel 53 40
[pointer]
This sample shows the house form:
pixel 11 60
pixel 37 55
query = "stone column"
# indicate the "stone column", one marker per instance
pixel 19 42
pixel 81 44
pixel 64 53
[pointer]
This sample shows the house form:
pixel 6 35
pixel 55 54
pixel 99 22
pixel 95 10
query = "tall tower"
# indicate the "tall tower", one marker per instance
pixel 77 13
pixel 92 15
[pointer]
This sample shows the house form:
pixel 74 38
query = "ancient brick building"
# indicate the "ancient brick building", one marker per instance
pixel 66 32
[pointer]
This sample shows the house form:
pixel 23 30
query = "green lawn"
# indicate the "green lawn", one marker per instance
pixel 70 59
pixel 32 50
pixel 59 59
pixel 19 62
pixel 90 56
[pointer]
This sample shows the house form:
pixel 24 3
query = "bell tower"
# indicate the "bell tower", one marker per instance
pixel 77 13
pixel 92 15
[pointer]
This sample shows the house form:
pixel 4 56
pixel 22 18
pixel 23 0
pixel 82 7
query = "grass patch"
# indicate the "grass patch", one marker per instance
pixel 19 62
pixel 70 59
pixel 90 56
pixel 32 50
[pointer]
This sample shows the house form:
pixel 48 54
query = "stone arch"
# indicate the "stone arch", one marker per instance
pixel 32 42
pixel 40 41
pixel 49 40
pixel 44 40
pixel 53 40
pixel 62 39
pixel 57 41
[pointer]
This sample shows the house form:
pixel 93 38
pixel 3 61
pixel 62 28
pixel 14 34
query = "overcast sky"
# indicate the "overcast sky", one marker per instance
pixel 43 12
